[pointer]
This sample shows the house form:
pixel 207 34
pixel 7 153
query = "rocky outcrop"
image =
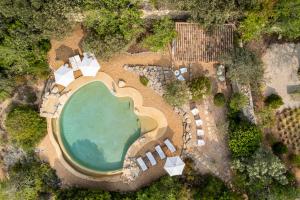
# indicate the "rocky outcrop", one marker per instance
pixel 157 76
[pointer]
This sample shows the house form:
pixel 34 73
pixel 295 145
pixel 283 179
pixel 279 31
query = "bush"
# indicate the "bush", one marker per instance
pixel 244 139
pixel 30 179
pixel 144 80
pixel 279 148
pixel 238 101
pixel 219 99
pixel 274 101
pixel 163 34
pixel 111 26
pixel 200 87
pixel 295 160
pixel 25 127
pixel 176 93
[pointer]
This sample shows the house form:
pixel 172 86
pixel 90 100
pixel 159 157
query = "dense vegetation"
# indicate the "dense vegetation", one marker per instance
pixel 176 93
pixel 163 34
pixel 25 127
pixel 111 26
pixel 33 179
pixel 200 87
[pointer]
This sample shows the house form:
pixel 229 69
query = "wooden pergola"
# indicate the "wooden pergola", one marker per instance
pixel 193 44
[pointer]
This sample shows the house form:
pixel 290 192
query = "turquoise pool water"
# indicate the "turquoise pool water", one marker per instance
pixel 97 128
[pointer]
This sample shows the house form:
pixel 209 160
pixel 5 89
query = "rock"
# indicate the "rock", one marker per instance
pixel 121 83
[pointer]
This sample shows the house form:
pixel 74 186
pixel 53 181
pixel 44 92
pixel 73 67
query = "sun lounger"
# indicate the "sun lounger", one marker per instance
pixel 200 132
pixel 195 111
pixel 160 152
pixel 183 70
pixel 151 158
pixel 141 163
pixel 199 122
pixel 75 62
pixel 181 78
pixel 200 142
pixel 170 145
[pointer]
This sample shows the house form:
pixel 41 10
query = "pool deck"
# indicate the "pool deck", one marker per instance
pixel 139 109
pixel 142 145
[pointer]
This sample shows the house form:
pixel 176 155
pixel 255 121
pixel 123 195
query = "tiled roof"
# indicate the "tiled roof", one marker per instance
pixel 194 44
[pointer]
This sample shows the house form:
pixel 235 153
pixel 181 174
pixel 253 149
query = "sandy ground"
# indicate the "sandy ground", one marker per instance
pixel 213 157
pixel 281 62
pixel 114 67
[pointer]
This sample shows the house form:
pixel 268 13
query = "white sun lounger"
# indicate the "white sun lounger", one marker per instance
pixel 199 122
pixel 141 163
pixel 160 152
pixel 200 142
pixel 200 132
pixel 151 158
pixel 195 111
pixel 181 78
pixel 75 61
pixel 170 145
pixel 183 70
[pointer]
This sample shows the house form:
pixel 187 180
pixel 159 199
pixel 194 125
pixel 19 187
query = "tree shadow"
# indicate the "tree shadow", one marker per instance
pixel 88 154
pixel 63 53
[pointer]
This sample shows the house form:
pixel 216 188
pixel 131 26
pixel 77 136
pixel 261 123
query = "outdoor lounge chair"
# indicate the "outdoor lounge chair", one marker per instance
pixel 170 145
pixel 183 70
pixel 200 142
pixel 181 78
pixel 142 164
pixel 151 158
pixel 75 62
pixel 160 152
pixel 195 111
pixel 200 132
pixel 199 122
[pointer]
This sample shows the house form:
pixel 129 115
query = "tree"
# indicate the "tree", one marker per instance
pixel 219 99
pixel 80 193
pixel 279 148
pixel 238 101
pixel 259 173
pixel 176 93
pixel 25 127
pixel 209 13
pixel 163 34
pixel 274 101
pixel 200 87
pixel 244 67
pixel 30 179
pixel 244 139
pixel 111 26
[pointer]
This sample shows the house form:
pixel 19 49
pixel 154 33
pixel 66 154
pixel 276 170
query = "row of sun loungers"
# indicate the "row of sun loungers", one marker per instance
pixel 160 153
pixel 199 123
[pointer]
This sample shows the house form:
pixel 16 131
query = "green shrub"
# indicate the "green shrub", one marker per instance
pixel 144 80
pixel 111 26
pixel 163 34
pixel 274 101
pixel 279 148
pixel 30 179
pixel 244 139
pixel 219 99
pixel 238 101
pixel 200 87
pixel 295 160
pixel 176 93
pixel 25 127
pixel 44 45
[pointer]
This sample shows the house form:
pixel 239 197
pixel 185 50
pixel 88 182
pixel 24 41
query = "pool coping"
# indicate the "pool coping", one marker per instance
pixel 135 147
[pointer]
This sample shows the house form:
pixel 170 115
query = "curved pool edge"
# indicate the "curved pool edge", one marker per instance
pixel 86 173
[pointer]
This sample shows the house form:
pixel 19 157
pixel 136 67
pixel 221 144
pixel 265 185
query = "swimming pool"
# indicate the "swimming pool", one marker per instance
pixel 97 128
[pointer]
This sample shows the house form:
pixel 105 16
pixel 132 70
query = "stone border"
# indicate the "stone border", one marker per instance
pixel 139 110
